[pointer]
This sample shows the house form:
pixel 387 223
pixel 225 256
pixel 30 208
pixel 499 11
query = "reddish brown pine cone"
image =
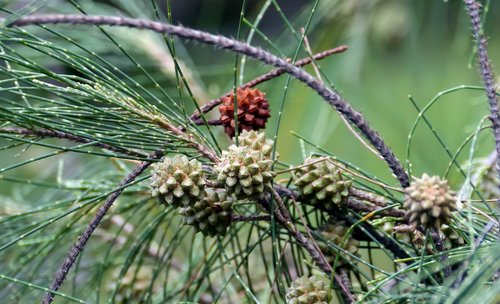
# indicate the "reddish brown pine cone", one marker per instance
pixel 253 111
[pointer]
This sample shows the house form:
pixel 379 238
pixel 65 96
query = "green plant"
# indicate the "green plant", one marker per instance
pixel 236 224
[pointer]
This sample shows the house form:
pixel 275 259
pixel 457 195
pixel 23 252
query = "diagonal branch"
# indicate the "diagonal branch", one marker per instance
pixel 331 96
pixel 487 75
pixel 268 76
pixel 281 217
pixel 79 245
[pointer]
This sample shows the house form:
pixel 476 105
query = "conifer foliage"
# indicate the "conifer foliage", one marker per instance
pixel 134 183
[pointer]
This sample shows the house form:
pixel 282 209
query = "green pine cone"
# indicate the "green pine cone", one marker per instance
pixel 429 202
pixel 244 172
pixel 309 290
pixel 322 183
pixel 334 232
pixel 177 181
pixel 256 141
pixel 211 215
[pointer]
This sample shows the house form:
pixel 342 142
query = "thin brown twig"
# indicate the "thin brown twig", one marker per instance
pixel 251 218
pixel 438 241
pixel 281 206
pixel 315 254
pixel 308 231
pixel 357 205
pixel 208 153
pixel 268 76
pixel 368 196
pixel 214 122
pixel 404 228
pixel 344 276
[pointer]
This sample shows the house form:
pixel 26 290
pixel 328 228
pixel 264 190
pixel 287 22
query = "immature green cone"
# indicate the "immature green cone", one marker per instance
pixel 429 202
pixel 335 232
pixel 309 290
pixel 256 141
pixel 244 172
pixel 322 183
pixel 211 215
pixel 177 181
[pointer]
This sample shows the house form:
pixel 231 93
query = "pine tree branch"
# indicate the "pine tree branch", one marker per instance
pixel 251 218
pixel 214 122
pixel 79 245
pixel 361 228
pixel 315 254
pixel 473 8
pixel 438 241
pixel 268 76
pixel 368 196
pixel 43 133
pixel 322 264
pixel 330 96
pixel 359 206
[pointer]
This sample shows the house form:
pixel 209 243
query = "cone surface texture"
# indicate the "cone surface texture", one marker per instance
pixel 257 142
pixel 244 172
pixel 321 182
pixel 211 215
pixel 309 290
pixel 177 181
pixel 429 202
pixel 253 111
